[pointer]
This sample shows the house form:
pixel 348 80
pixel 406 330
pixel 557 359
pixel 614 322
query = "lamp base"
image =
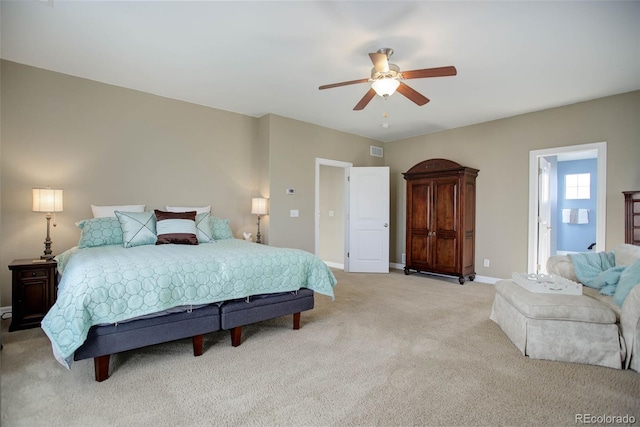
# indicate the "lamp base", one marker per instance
pixel 258 237
pixel 48 255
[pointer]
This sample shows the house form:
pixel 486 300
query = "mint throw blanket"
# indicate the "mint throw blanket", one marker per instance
pixel 599 271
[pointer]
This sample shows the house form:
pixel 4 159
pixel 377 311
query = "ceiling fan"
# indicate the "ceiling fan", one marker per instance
pixel 386 79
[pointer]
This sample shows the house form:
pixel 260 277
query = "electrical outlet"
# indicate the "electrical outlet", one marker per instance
pixel 404 258
pixel 486 263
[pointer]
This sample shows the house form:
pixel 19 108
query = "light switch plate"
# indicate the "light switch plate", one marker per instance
pixel 294 213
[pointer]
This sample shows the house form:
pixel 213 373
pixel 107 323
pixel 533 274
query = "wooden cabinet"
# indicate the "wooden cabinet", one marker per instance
pixel 632 217
pixel 441 205
pixel 33 292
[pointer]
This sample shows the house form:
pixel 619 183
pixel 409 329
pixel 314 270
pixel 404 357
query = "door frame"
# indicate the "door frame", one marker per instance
pixel 337 164
pixel 601 210
pixel 544 211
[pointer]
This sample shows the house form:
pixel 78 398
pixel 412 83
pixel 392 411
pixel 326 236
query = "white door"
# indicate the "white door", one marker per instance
pixel 368 220
pixel 544 215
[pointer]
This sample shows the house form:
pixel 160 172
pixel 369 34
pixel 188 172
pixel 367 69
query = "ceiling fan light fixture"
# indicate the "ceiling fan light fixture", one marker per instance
pixel 385 87
pixel 385 80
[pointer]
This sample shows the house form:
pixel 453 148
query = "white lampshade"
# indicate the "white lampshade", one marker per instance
pixel 47 200
pixel 385 87
pixel 259 206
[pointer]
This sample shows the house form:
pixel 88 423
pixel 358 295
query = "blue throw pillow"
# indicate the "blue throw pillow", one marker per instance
pixel 138 228
pixel 221 229
pixel 99 232
pixel 629 278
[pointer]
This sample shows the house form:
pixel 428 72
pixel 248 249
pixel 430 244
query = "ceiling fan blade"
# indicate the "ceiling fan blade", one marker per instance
pixel 413 95
pixel 430 72
pixel 365 100
pixel 352 82
pixel 380 62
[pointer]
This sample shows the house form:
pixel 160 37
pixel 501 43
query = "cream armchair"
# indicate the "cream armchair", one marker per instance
pixel 628 316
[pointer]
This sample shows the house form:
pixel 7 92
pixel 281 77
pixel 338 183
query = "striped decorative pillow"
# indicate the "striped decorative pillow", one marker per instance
pixel 176 227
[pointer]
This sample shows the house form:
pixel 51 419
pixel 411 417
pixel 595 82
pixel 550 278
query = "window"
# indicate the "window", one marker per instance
pixel 577 186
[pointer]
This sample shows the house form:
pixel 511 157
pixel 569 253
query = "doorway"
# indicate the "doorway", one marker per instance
pixel 541 233
pixel 330 207
pixel 352 216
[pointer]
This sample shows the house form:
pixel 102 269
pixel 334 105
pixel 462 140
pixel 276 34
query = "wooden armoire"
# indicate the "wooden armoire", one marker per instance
pixel 441 210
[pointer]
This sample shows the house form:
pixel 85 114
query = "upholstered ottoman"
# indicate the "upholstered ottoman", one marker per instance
pixel 570 328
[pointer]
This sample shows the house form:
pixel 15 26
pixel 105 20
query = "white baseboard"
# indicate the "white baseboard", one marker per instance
pixel 486 279
pixel 481 279
pixel 4 311
pixel 334 265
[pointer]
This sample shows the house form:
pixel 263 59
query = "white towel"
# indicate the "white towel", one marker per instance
pixel 575 216
pixel 583 216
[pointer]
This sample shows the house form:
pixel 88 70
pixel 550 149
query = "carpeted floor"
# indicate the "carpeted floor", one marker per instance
pixel 390 350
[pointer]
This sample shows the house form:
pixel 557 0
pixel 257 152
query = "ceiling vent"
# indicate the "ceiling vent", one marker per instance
pixel 376 151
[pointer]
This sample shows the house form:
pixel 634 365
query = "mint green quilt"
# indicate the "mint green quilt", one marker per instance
pixel 109 284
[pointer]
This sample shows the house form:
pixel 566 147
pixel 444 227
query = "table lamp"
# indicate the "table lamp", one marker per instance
pixel 49 201
pixel 259 207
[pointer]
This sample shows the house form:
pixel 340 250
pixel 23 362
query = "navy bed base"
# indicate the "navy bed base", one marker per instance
pixel 103 341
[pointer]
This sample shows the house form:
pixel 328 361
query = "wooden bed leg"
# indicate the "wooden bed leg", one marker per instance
pixel 101 367
pixel 296 320
pixel 236 336
pixel 197 345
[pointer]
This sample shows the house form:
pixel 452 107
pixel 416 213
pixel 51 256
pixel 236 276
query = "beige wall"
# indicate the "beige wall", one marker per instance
pixel 500 150
pixel 104 145
pixel 294 146
pixel 108 145
pixel 261 165
pixel 331 215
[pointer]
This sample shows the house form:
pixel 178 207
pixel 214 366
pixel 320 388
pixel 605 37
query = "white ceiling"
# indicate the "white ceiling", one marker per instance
pixel 266 57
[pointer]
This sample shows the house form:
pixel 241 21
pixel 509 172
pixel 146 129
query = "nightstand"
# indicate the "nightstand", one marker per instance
pixel 33 291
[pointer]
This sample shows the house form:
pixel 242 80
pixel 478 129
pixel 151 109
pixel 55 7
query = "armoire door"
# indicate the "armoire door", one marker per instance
pixel 444 234
pixel 420 223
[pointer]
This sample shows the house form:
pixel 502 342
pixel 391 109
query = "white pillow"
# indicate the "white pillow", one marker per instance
pixel 106 211
pixel 199 210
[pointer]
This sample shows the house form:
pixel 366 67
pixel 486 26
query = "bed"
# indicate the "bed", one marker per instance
pixel 107 291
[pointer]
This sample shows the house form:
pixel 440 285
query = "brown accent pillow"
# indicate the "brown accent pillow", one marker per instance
pixel 176 227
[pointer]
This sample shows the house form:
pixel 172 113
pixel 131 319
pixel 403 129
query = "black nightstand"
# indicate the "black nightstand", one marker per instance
pixel 33 292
